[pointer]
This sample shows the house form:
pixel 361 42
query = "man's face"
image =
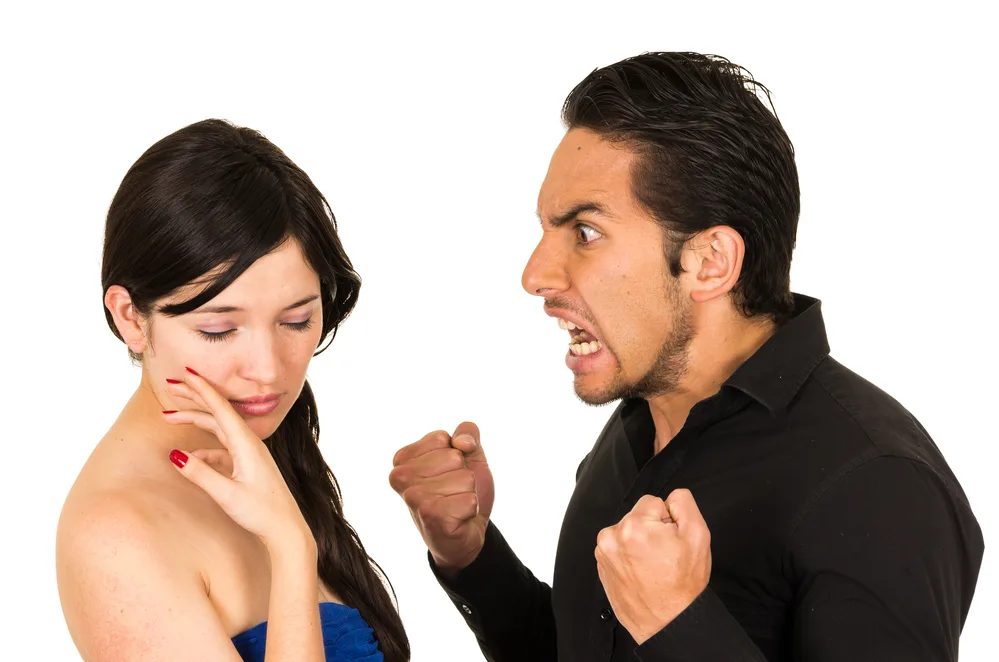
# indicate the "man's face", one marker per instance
pixel 601 267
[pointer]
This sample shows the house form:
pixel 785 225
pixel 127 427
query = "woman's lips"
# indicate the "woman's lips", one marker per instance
pixel 259 405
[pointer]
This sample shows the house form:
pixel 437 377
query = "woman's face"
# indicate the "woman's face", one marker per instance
pixel 253 341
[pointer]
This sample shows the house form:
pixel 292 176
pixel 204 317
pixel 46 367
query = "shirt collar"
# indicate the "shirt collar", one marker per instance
pixel 775 373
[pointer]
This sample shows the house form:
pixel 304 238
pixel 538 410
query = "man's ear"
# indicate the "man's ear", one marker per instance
pixel 714 259
pixel 127 319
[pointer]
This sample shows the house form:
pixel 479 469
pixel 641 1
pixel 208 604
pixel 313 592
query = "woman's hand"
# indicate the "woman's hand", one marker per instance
pixel 243 479
pixel 256 497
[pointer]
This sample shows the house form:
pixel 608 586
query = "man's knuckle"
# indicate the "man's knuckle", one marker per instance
pixel 628 529
pixel 438 437
pixel 605 539
pixel 398 478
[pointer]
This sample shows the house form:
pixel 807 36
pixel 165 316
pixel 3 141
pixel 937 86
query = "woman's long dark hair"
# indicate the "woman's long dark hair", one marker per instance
pixel 213 197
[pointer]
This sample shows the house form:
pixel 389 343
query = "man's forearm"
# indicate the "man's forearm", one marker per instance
pixel 507 608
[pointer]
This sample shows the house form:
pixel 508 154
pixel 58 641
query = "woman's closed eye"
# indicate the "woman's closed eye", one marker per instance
pixel 304 325
pixel 218 336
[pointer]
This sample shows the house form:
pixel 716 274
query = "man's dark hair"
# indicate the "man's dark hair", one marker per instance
pixel 710 153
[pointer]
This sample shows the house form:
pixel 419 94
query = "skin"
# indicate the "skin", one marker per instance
pixel 156 563
pixel 601 264
pixel 609 268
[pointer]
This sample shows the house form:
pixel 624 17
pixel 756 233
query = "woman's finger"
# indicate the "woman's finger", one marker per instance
pixel 233 428
pixel 217 486
pixel 218 459
pixel 181 390
pixel 200 419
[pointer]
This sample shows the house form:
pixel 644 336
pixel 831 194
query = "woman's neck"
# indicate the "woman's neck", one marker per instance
pixel 142 416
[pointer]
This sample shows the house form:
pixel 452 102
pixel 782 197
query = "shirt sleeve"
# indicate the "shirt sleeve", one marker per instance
pixel 704 631
pixel 884 564
pixel 507 608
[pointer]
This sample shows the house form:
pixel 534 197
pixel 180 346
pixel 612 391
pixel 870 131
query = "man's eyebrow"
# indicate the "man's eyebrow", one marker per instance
pixel 237 309
pixel 573 212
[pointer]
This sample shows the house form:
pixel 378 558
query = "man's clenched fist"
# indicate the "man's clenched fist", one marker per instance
pixel 446 482
pixel 654 562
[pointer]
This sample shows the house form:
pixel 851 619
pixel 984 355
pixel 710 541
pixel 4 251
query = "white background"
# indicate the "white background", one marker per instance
pixel 429 128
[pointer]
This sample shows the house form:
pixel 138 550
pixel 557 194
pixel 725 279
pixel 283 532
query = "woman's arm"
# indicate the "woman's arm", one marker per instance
pixel 127 595
pixel 256 497
pixel 293 629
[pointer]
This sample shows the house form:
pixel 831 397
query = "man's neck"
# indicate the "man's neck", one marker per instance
pixel 715 353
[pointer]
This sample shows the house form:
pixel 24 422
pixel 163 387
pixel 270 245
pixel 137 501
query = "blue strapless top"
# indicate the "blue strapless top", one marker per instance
pixel 346 637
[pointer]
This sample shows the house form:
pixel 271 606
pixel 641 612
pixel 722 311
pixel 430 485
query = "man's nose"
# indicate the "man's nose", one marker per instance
pixel 545 271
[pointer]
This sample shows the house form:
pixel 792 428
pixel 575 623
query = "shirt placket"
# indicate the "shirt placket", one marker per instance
pixel 655 478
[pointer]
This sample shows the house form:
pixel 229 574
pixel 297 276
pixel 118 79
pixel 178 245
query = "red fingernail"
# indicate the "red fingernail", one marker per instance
pixel 192 372
pixel 179 458
pixel 173 381
pixel 169 411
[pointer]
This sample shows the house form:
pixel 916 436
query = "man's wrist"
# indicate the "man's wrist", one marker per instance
pixel 450 569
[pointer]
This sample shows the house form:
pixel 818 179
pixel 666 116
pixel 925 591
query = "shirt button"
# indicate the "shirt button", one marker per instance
pixel 465 609
pixel 606 615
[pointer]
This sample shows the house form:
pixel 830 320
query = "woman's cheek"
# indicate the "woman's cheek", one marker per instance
pixel 302 355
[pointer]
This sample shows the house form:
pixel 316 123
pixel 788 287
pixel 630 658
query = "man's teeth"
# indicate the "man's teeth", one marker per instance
pixel 582 349
pixel 579 346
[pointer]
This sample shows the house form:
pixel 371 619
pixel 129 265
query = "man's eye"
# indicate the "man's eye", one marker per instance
pixel 586 234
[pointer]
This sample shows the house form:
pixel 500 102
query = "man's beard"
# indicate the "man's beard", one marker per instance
pixel 665 375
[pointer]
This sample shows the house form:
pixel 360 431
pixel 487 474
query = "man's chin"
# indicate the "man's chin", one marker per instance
pixel 595 395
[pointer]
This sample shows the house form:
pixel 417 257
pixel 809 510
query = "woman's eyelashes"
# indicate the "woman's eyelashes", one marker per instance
pixel 219 336
pixel 304 325
pixel 216 336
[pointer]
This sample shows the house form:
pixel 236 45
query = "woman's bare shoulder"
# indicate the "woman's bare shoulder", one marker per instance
pixel 103 530
pixel 128 588
pixel 122 571
pixel 95 515
pixel 120 501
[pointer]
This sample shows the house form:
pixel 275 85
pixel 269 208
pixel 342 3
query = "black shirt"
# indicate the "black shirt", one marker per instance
pixel 838 532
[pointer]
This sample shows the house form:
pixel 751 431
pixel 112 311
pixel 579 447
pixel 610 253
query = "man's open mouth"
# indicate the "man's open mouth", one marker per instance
pixel 581 341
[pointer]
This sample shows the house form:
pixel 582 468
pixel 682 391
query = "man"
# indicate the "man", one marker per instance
pixel 750 498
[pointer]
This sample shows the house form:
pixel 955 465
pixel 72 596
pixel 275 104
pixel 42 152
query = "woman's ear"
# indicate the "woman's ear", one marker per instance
pixel 129 321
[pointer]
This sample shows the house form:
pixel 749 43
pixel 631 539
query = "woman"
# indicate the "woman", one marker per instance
pixel 223 274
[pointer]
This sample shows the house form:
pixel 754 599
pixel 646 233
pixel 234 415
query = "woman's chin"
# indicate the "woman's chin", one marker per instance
pixel 262 426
